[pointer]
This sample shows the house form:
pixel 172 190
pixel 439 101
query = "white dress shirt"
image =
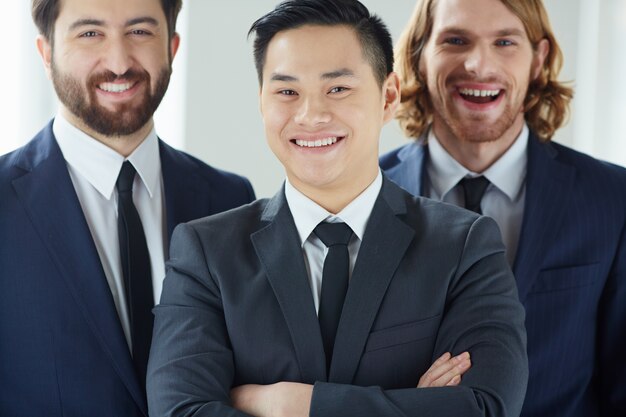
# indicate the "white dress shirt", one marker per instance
pixel 94 168
pixel 504 198
pixel 307 215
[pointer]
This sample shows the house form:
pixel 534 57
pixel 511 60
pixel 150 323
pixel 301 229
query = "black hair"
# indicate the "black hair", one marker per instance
pixel 290 14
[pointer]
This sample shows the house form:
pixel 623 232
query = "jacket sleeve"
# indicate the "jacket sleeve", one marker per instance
pixel 612 337
pixel 191 369
pixel 483 316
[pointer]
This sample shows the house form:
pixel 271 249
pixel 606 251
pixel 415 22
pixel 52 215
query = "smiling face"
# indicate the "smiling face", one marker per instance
pixel 110 64
pixel 323 111
pixel 478 63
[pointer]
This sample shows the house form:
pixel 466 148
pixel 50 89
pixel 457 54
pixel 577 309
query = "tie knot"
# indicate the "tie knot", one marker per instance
pixel 474 189
pixel 332 234
pixel 126 177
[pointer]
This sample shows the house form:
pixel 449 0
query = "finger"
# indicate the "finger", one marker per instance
pixel 441 367
pixel 441 373
pixel 462 365
pixel 454 381
pixel 443 358
pixel 435 369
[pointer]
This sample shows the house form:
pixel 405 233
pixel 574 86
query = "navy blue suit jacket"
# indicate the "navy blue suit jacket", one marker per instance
pixel 570 269
pixel 62 348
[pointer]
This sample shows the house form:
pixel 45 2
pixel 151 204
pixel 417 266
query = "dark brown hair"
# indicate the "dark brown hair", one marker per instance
pixel 46 12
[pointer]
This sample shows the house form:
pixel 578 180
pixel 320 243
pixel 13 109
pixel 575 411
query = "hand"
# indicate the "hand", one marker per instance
pixel 276 400
pixel 446 371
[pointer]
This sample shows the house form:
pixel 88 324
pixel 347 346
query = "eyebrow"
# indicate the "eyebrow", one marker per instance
pixel 343 72
pixel 131 22
pixel 282 77
pixel 86 22
pixel 501 32
pixel 145 19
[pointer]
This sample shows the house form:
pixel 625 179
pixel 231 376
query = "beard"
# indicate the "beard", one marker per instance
pixel 476 127
pixel 127 118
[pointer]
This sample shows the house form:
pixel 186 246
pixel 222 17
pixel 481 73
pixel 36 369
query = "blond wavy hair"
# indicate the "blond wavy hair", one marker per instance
pixel 546 105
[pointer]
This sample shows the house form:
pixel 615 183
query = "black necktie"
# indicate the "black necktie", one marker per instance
pixel 136 270
pixel 473 190
pixel 334 280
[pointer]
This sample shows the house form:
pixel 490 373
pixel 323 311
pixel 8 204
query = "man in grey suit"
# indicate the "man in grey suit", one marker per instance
pixel 262 314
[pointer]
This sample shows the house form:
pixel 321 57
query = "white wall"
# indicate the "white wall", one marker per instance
pixel 211 108
pixel 223 122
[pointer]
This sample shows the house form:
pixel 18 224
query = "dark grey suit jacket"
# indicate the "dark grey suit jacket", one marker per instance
pixel 236 308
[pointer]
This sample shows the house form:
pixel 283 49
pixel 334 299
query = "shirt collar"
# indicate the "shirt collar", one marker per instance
pixel 307 214
pixel 100 165
pixel 507 173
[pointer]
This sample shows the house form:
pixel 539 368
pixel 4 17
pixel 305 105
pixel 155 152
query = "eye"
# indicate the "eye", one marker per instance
pixel 336 90
pixel 140 32
pixel 504 42
pixel 454 41
pixel 287 92
pixel 89 34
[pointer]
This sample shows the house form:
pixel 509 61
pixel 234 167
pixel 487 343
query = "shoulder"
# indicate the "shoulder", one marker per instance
pixel 587 163
pixel 25 158
pixel 410 151
pixel 390 159
pixel 231 225
pixel 219 180
pixel 437 221
pixel 595 176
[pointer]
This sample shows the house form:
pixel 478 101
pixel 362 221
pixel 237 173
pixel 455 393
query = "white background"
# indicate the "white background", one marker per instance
pixel 211 108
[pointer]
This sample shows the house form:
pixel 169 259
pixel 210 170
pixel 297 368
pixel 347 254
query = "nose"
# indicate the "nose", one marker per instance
pixel 312 112
pixel 479 61
pixel 118 58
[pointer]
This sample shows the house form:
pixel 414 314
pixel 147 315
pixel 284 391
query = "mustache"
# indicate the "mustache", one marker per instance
pixel 468 78
pixel 132 75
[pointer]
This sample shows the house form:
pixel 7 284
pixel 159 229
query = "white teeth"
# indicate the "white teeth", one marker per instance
pixel 316 143
pixel 479 93
pixel 115 88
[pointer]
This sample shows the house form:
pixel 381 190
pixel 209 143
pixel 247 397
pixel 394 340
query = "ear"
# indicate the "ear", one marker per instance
pixel 174 44
pixel 540 54
pixel 45 51
pixel 391 94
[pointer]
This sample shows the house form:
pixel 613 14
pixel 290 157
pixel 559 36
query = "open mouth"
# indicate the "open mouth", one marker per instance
pixel 479 96
pixel 318 143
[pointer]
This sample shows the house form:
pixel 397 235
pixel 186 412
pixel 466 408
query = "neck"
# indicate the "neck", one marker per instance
pixel 124 145
pixel 335 198
pixel 477 156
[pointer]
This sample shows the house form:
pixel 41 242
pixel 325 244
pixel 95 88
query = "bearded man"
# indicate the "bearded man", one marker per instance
pixel 87 209
pixel 481 96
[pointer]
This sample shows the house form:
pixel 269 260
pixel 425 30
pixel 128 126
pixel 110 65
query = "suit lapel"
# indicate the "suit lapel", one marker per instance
pixel 384 245
pixel 187 194
pixel 278 247
pixel 49 198
pixel 549 185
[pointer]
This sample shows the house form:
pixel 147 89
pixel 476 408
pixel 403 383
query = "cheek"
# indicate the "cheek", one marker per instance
pixel 521 80
pixel 274 120
pixel 153 63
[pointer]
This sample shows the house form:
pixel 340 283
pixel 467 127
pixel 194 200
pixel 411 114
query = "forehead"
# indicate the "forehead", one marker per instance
pixel 109 11
pixel 475 16
pixel 314 48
